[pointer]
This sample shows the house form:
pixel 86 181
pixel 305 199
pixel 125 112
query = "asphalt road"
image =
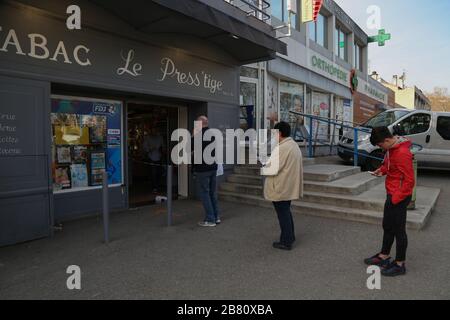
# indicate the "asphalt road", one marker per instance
pixel 147 260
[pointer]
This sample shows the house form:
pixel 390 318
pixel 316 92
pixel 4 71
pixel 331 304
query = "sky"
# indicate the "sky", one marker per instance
pixel 420 43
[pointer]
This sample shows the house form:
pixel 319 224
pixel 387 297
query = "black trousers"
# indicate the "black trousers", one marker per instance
pixel 394 226
pixel 283 209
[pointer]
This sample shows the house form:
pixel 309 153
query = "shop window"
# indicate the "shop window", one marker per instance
pixel 341 44
pixel 318 31
pixel 358 57
pixel 415 124
pixel 248 72
pixel 87 141
pixel 321 108
pixel 292 98
pixel 280 11
pixel 443 127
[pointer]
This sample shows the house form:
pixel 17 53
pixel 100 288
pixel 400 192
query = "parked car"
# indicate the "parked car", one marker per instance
pixel 429 129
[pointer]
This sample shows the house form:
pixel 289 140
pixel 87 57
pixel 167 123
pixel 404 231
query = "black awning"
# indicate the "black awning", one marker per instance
pixel 243 37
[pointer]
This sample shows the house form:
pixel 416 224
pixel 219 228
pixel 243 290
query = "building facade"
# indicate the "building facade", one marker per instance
pixel 409 97
pixel 75 103
pixel 316 76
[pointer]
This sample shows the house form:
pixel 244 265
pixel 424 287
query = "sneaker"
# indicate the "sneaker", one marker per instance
pixel 394 270
pixel 377 261
pixel 279 245
pixel 206 224
pixel 218 221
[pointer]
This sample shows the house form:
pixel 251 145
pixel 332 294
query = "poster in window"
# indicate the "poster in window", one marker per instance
pixel 98 160
pixel 64 155
pixel 97 127
pixel 80 154
pixel 321 108
pixel 97 177
pixel 79 175
pixel 62 178
pixel 292 99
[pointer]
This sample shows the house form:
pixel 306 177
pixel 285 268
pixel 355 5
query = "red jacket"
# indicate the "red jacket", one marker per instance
pixel 398 166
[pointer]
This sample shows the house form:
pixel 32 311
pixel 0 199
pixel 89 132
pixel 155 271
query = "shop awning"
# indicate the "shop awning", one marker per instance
pixel 246 38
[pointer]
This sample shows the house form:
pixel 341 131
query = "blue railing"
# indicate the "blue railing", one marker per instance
pixel 342 125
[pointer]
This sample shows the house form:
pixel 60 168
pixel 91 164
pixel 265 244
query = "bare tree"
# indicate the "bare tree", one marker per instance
pixel 440 99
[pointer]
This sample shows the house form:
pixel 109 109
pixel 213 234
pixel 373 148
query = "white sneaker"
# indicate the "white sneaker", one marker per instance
pixel 218 221
pixel 206 224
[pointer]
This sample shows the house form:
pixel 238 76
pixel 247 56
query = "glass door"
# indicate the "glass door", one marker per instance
pixel 249 104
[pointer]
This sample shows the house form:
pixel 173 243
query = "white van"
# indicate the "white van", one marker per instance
pixel 429 129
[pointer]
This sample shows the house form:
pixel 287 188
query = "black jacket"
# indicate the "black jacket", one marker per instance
pixel 203 167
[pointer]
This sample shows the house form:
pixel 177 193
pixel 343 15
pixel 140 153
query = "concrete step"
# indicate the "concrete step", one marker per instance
pixel 247 170
pixel 313 172
pixel 246 179
pixel 350 185
pixel 416 219
pixel 334 160
pixel 348 201
pixel 256 190
pixel 328 172
pixel 328 160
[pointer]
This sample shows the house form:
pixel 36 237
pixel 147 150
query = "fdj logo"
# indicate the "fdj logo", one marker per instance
pixel 104 109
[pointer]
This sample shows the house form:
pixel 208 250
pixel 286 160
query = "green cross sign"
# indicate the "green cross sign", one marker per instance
pixel 381 38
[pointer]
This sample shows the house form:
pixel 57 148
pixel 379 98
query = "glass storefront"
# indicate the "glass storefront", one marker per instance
pixel 292 98
pixel 86 142
pixel 321 108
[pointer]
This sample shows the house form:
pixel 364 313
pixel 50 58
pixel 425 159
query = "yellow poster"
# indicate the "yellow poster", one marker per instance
pixel 307 10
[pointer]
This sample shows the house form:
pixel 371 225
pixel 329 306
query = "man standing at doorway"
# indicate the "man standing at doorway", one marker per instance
pixel 206 177
pixel 284 182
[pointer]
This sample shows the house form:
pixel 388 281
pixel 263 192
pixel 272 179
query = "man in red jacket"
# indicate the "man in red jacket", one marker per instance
pixel 400 182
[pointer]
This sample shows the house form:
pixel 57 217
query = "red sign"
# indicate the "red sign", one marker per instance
pixel 317 6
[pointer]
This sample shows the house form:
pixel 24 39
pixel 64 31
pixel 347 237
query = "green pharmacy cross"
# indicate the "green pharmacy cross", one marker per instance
pixel 381 38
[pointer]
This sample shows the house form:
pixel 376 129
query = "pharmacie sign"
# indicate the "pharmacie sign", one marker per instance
pixel 328 69
pixel 372 92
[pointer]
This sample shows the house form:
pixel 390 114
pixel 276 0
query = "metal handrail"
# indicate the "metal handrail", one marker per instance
pixel 250 4
pixel 329 121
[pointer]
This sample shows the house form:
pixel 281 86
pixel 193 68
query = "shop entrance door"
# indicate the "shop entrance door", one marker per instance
pixel 25 197
pixel 249 113
pixel 149 149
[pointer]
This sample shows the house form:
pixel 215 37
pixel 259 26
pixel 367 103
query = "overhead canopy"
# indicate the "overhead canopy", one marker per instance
pixel 244 37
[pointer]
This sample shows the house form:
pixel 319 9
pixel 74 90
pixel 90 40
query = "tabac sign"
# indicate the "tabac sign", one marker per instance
pixel 42 45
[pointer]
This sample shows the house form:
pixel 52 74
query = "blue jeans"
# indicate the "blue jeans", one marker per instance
pixel 283 209
pixel 207 189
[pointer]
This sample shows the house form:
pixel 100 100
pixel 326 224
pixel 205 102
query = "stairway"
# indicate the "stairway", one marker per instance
pixel 332 190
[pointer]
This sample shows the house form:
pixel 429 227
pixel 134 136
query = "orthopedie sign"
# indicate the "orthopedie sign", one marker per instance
pixel 44 46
